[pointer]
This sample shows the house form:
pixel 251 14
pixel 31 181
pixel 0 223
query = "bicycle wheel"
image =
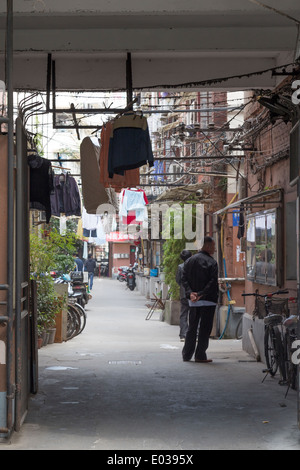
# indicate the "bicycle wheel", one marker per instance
pixel 270 352
pixel 74 322
pixel 70 323
pixel 82 314
pixel 291 369
pixel 280 352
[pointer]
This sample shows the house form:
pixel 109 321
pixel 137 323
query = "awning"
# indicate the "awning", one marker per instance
pixel 271 196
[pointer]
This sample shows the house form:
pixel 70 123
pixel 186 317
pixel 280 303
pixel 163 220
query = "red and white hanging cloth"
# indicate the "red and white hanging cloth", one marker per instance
pixel 132 207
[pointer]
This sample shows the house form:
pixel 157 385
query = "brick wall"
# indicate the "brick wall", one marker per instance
pixel 270 169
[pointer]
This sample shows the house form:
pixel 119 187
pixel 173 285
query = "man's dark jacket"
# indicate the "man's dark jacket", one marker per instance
pixel 90 265
pixel 200 274
pixel 65 198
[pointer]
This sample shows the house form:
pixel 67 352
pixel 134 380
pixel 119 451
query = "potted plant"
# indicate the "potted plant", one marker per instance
pixel 48 306
pixel 47 253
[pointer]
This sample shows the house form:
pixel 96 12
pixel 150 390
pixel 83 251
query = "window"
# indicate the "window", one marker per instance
pixel 262 258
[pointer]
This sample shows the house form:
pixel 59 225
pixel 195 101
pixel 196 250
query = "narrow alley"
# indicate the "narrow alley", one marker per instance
pixel 122 385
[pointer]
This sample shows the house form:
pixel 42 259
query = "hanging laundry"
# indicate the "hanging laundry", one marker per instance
pixel 117 182
pixel 109 223
pixel 89 221
pixel 41 183
pixel 113 198
pixel 241 229
pixel 62 224
pixel 93 192
pixel 133 204
pixel 129 145
pixel 101 236
pixel 66 197
pixel 93 227
pixel 85 250
pixel 79 229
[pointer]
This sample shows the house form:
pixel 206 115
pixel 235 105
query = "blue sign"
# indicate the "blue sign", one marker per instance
pixel 235 218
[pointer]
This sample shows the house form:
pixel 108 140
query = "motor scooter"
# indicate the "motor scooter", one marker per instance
pixel 77 291
pixel 80 285
pixel 122 275
pixel 131 278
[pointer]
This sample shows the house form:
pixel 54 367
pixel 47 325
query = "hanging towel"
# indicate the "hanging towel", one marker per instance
pixel 89 221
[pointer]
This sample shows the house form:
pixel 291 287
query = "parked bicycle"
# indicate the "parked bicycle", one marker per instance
pixel 76 319
pixel 273 337
pixel 76 316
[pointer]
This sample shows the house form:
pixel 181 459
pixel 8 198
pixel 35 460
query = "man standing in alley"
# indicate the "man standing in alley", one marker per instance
pixel 200 280
pixel 78 263
pixel 184 302
pixel 90 266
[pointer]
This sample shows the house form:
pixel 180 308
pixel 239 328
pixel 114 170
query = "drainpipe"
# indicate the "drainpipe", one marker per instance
pixel 10 216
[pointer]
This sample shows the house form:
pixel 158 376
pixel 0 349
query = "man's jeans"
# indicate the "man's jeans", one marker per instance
pixel 91 280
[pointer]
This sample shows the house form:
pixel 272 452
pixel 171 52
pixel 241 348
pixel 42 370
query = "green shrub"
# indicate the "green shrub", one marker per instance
pixel 172 248
pixel 48 253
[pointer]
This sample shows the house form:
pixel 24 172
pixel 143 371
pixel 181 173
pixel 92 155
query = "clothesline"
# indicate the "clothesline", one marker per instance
pixel 107 166
pixel 110 163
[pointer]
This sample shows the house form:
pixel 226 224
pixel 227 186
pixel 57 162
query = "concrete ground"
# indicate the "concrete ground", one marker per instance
pixel 122 385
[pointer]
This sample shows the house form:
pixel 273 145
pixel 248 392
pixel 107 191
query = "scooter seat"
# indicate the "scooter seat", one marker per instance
pixel 273 319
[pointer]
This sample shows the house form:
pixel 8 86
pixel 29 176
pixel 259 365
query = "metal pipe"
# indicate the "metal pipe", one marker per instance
pixel 160 185
pixel 53 72
pixel 144 111
pixel 75 121
pixel 48 83
pixel 18 274
pixel 10 214
pixel 129 90
pixel 164 159
pixel 192 173
pixel 298 278
pixel 202 157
